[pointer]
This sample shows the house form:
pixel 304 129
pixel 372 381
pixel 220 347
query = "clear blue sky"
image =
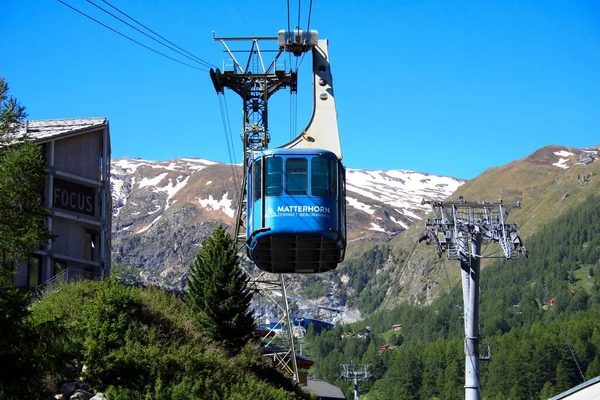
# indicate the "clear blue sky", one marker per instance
pixel 450 88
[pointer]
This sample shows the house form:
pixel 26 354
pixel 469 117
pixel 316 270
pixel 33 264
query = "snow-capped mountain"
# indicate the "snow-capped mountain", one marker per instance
pixel 162 210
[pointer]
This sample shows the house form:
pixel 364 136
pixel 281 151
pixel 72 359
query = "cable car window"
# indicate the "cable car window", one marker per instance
pixel 319 177
pixel 256 178
pixel 273 185
pixel 296 175
pixel 333 182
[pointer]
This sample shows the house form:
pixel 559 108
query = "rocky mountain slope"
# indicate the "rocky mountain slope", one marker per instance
pixel 163 210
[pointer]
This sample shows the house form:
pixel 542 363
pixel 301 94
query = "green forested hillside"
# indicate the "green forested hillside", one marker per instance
pixel 528 307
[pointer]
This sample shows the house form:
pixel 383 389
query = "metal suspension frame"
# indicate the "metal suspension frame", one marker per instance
pixel 460 229
pixel 356 373
pixel 255 84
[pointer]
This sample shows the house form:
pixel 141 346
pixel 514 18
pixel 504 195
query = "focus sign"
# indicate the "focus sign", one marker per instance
pixel 75 197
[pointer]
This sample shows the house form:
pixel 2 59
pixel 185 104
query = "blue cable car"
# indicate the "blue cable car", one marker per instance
pixel 296 215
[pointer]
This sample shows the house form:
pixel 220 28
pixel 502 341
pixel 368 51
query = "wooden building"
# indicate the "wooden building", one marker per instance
pixel 77 193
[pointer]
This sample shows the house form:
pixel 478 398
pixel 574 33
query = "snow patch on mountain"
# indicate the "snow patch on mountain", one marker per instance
pixel 352 202
pixel 563 153
pixel 402 224
pixel 562 162
pixel 145 182
pixel 223 205
pixel 200 161
pixel 144 229
pixel 375 227
pixel 401 189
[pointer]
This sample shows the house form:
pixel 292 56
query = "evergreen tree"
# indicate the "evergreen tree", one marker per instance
pixel 22 177
pixel 20 374
pixel 11 112
pixel 21 231
pixel 218 293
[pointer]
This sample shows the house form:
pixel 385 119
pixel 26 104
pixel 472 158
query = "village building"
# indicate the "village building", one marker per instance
pixel 77 193
pixel 587 390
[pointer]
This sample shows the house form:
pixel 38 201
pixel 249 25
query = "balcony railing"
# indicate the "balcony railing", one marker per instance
pixel 68 275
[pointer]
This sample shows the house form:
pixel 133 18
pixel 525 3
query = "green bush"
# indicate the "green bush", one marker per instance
pixel 138 343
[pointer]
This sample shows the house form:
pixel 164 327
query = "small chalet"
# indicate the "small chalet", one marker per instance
pixel 383 348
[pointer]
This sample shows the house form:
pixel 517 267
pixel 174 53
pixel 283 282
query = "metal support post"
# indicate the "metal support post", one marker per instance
pixel 470 273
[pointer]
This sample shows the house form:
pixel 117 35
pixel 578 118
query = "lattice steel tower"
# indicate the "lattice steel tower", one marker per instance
pixel 460 229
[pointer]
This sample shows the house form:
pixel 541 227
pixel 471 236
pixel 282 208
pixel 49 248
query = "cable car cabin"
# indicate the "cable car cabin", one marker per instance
pixel 296 216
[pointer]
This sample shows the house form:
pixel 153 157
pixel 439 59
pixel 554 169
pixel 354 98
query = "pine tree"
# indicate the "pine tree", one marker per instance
pixel 21 231
pixel 218 293
pixel 11 112
pixel 22 177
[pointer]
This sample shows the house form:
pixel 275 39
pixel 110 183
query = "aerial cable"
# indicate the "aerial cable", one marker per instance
pixel 309 14
pixel 207 64
pixel 298 28
pixel 224 120
pixel 293 115
pixel 289 32
pixel 307 33
pixel 133 40
pixel 145 34
pixel 241 15
pixel 230 138
pixel 299 6
pixel 290 121
pixel 296 113
pixel 545 294
pixel 401 271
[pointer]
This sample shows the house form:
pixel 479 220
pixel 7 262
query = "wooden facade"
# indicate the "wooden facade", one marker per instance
pixel 77 193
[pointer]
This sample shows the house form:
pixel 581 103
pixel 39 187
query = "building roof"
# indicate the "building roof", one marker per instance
pixel 45 129
pixel 587 390
pixel 324 390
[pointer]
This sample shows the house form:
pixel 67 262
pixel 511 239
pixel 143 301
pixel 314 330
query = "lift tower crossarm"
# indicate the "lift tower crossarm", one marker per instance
pixel 356 373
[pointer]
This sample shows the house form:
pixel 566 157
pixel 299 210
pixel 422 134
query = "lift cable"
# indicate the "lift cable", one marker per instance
pixel 291 117
pixel 227 133
pixel 307 32
pixel 309 14
pixel 133 40
pixel 150 37
pixel 228 119
pixel 199 60
pixel 288 30
pixel 385 302
pixel 299 7
pixel 241 15
pixel 545 294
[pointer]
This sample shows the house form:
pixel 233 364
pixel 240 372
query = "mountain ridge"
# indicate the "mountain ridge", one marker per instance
pixel 162 210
